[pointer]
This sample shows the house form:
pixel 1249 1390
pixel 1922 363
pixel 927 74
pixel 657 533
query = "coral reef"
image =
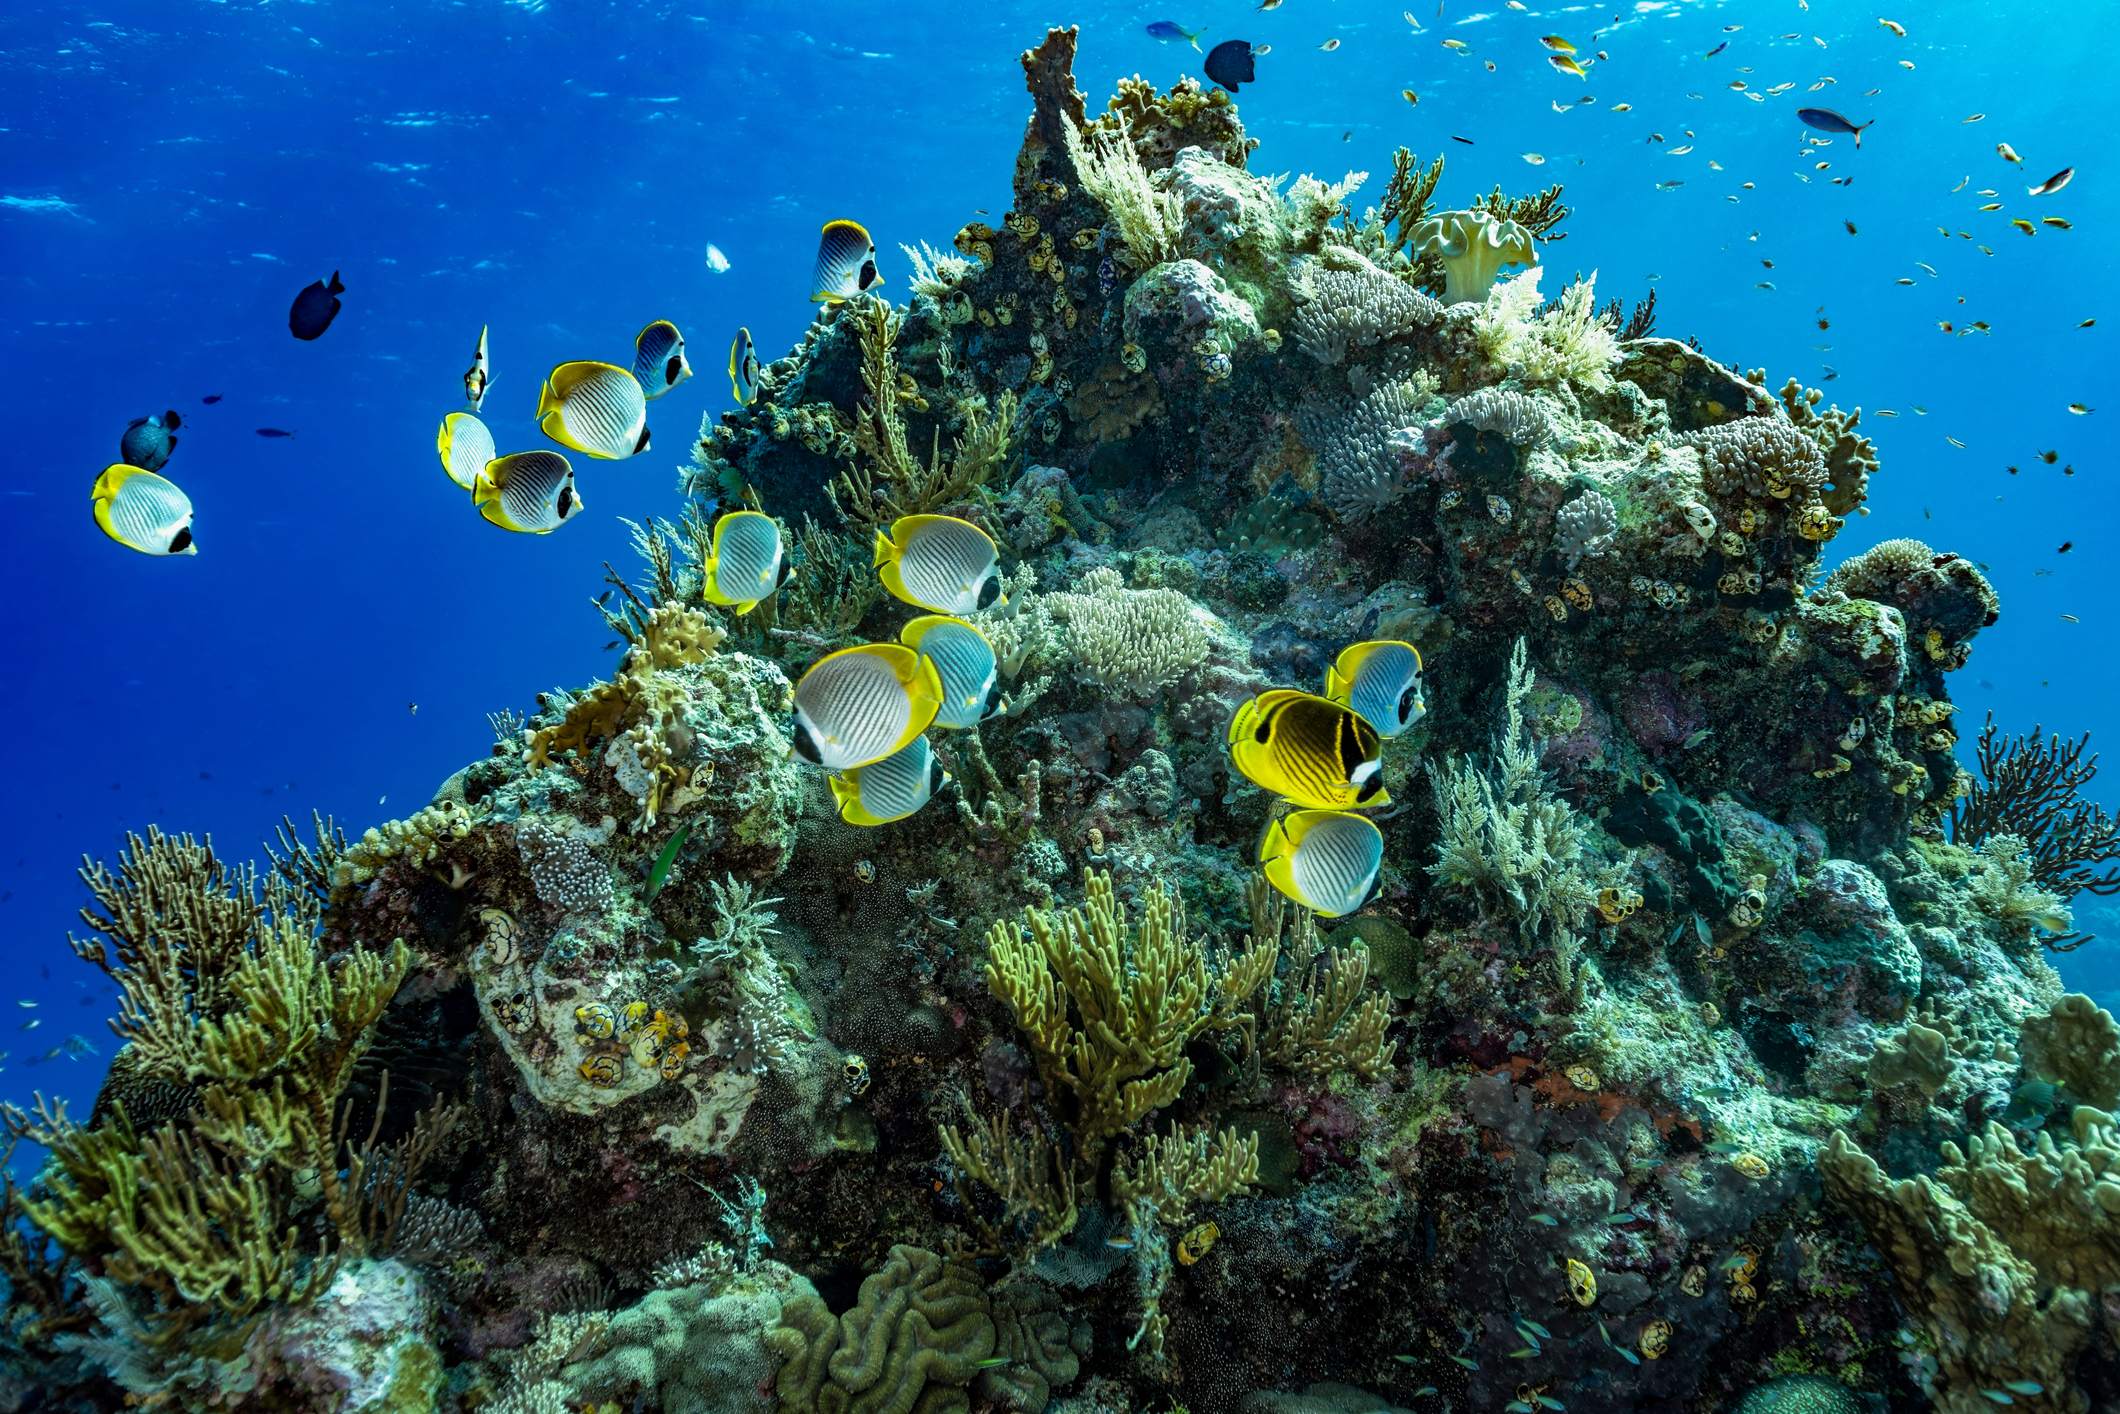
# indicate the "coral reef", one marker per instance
pixel 1697 1048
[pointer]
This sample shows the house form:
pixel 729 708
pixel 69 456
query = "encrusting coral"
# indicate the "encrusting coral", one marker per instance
pixel 683 1091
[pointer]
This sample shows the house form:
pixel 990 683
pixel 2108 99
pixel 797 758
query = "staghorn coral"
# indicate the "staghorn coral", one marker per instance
pixel 1324 1018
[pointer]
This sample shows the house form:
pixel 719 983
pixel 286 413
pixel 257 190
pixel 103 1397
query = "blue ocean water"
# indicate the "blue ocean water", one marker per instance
pixel 172 173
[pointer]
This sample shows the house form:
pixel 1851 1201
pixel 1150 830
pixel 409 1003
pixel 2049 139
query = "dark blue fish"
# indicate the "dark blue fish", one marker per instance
pixel 315 308
pixel 1716 50
pixel 147 443
pixel 1229 64
pixel 210 399
pixel 273 432
pixel 1168 32
pixel 1828 121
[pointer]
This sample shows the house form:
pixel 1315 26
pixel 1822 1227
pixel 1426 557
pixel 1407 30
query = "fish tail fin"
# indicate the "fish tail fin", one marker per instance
pixel 336 288
pixel 885 550
pixel 1858 131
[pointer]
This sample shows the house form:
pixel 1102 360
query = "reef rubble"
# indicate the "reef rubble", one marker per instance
pixel 1699 1050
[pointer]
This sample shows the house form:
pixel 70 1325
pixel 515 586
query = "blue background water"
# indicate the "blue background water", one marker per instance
pixel 172 173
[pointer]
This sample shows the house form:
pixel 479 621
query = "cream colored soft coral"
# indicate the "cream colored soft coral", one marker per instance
pixel 1474 247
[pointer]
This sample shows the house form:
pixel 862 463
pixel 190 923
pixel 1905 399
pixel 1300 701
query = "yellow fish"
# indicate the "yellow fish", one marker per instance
pixel 846 263
pixel 862 704
pixel 1308 749
pixel 1567 65
pixel 1380 680
pixel 1326 860
pixel 745 562
pixel 466 446
pixel 939 563
pixel 890 789
pixel 597 409
pixel 143 511
pixel 1557 44
pixel 528 492
pixel 478 377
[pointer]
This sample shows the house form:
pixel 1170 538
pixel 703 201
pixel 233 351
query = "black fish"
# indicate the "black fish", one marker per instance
pixel 273 432
pixel 147 443
pixel 210 399
pixel 315 308
pixel 1716 50
pixel 1229 64
pixel 1828 121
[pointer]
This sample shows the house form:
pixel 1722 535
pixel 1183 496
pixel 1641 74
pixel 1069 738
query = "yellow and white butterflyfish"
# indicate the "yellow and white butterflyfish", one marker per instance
pixel 743 368
pixel 965 661
pixel 846 263
pixel 746 561
pixel 466 446
pixel 862 704
pixel 939 563
pixel 1380 680
pixel 1326 860
pixel 1308 749
pixel 143 510
pixel 478 377
pixel 890 789
pixel 597 409
pixel 659 362
pixel 529 492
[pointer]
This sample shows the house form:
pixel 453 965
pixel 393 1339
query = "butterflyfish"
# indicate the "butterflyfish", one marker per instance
pixel 939 563
pixel 861 704
pixel 597 409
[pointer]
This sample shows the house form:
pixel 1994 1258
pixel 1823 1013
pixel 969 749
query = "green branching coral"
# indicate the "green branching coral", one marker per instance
pixel 885 480
pixel 225 989
pixel 1108 1004
pixel 1509 839
pixel 1324 1017
pixel 1851 458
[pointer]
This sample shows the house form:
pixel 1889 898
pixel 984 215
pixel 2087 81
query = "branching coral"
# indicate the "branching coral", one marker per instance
pixel 640 710
pixel 2033 789
pixel 1565 343
pixel 224 988
pixel 1508 838
pixel 885 480
pixel 1324 1017
pixel 1149 219
pixel 1108 1004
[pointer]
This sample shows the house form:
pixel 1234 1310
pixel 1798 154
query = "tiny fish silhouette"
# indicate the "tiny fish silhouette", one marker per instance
pixel 273 432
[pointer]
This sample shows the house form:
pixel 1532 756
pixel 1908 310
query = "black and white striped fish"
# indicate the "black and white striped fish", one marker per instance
pixel 862 704
pixel 529 492
pixel 597 409
pixel 143 511
pixel 659 358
